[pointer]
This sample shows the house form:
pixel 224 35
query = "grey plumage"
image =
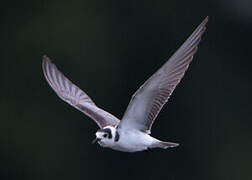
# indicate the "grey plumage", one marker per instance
pixel 131 134
pixel 73 95
pixel 149 99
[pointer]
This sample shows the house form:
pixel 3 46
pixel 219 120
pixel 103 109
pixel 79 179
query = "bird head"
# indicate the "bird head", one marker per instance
pixel 106 136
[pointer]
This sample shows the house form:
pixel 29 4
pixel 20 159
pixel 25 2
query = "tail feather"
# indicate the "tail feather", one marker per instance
pixel 165 145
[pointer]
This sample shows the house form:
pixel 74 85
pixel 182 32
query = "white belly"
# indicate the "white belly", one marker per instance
pixel 132 141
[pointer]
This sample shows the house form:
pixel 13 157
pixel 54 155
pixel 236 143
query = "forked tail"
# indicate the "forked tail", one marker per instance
pixel 164 145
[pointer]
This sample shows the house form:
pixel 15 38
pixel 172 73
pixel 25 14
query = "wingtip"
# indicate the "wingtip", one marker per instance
pixel 45 58
pixel 45 62
pixel 203 24
pixel 205 20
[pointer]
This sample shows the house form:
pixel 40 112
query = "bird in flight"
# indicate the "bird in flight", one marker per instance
pixel 132 132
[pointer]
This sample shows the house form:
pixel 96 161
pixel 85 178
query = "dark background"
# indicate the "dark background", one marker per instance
pixel 109 48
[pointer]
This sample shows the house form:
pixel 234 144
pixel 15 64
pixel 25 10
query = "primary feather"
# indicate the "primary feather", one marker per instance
pixel 73 95
pixel 149 99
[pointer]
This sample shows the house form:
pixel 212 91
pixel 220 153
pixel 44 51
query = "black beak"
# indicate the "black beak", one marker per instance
pixel 95 140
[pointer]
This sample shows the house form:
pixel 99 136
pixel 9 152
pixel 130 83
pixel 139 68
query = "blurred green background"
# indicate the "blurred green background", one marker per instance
pixel 109 48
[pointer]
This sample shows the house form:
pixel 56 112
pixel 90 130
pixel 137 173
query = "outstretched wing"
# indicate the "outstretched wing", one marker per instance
pixel 73 95
pixel 149 99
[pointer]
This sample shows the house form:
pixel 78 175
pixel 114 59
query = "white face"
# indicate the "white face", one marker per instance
pixel 105 136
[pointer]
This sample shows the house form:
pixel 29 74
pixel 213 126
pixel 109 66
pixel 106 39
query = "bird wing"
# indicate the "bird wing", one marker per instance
pixel 74 96
pixel 149 99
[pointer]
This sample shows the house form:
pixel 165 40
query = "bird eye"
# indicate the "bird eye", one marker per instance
pixel 105 135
